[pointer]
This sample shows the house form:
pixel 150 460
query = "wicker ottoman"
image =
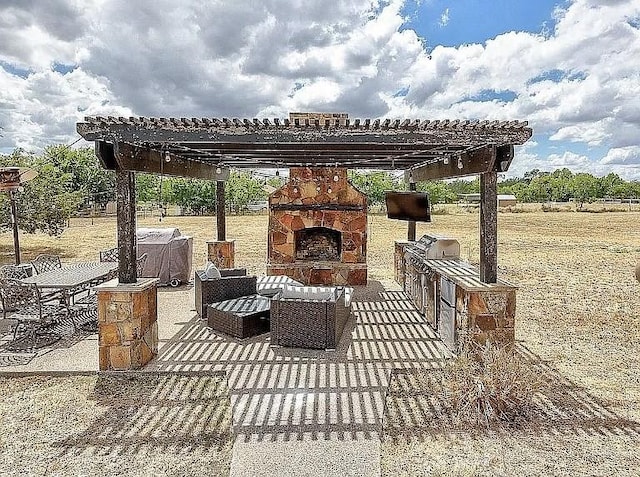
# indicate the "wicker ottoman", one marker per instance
pixel 240 317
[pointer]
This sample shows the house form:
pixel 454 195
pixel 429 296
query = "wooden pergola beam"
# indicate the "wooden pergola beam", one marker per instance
pixel 141 159
pixel 126 206
pixel 221 221
pixel 475 161
pixel 193 144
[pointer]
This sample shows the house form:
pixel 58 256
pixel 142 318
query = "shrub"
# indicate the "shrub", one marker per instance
pixel 495 386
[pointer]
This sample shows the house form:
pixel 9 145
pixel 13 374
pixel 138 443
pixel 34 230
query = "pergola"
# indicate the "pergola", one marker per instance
pixel 206 148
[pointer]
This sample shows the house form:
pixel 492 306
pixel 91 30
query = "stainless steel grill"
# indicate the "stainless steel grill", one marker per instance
pixel 433 247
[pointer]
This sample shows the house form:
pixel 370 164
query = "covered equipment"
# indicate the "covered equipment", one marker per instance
pixel 169 254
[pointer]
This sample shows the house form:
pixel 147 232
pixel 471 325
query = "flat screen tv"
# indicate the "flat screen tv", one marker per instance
pixel 408 206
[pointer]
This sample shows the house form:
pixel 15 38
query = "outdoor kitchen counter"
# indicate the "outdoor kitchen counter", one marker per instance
pixel 464 275
pixel 460 307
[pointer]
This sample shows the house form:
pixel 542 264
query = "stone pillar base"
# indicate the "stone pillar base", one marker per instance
pixel 127 324
pixel 221 253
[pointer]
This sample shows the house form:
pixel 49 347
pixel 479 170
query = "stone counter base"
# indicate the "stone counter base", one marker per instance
pixel 314 273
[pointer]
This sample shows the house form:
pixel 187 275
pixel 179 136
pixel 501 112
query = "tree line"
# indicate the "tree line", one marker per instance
pixel 72 180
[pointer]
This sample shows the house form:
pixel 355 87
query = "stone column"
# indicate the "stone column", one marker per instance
pixel 127 324
pixel 221 253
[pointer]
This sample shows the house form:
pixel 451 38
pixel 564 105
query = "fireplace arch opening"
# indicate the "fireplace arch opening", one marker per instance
pixel 318 243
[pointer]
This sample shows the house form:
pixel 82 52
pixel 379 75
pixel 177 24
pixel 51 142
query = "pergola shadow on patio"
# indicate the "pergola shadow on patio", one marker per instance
pixel 281 394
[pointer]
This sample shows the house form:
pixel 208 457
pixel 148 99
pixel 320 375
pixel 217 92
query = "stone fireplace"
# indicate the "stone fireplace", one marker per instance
pixel 318 243
pixel 318 229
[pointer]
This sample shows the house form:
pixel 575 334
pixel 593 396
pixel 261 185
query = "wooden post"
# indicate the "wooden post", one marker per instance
pixel 489 227
pixel 221 219
pixel 14 223
pixel 411 228
pixel 126 204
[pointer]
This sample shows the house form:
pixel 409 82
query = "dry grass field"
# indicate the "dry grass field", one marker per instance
pixel 578 316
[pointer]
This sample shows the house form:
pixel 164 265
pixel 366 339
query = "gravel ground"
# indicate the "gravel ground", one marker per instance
pixel 103 425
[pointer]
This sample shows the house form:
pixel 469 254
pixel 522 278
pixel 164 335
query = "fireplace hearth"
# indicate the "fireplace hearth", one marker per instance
pixel 318 243
pixel 318 229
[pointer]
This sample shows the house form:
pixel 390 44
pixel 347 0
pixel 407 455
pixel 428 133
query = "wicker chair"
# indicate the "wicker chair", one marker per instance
pixel 309 317
pixel 110 255
pixel 233 283
pixel 30 311
pixel 45 263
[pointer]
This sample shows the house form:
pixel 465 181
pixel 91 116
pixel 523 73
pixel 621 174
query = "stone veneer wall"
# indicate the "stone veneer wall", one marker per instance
pixel 318 197
pixel 221 253
pixel 127 324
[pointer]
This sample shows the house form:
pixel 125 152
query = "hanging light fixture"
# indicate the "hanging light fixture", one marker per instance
pixel 445 160
pixel 460 164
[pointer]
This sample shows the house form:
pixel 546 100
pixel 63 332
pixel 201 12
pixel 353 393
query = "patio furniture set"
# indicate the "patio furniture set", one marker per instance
pixel 299 316
pixel 41 295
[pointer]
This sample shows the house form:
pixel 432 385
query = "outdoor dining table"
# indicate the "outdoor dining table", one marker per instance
pixel 73 277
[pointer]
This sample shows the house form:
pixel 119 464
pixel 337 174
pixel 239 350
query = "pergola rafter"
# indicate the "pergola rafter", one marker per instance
pixel 207 147
pixel 378 144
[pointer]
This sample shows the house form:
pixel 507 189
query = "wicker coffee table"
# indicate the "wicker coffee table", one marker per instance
pixel 240 317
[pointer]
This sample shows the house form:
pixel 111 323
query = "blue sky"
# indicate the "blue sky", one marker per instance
pixel 568 67
pixel 453 23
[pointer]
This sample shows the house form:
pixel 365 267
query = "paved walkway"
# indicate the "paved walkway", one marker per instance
pixel 295 412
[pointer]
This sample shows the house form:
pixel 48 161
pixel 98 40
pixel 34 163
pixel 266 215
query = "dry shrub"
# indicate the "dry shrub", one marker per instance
pixel 496 386
pixel 514 209
pixel 440 210
pixel 551 208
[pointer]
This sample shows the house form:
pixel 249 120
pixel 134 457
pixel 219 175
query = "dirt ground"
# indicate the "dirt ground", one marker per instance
pixel 129 425
pixel 578 319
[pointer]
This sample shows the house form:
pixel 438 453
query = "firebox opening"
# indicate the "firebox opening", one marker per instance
pixel 318 243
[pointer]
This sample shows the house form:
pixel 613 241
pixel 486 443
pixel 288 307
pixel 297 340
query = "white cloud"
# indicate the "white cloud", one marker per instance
pixel 623 155
pixel 444 18
pixel 578 85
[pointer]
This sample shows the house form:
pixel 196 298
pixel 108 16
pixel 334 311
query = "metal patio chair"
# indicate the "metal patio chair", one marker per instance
pixel 44 263
pixel 140 262
pixel 32 313
pixel 110 255
pixel 12 271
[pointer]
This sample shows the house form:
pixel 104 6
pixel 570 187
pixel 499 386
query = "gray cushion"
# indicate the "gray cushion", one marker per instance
pixel 211 271
pixel 308 293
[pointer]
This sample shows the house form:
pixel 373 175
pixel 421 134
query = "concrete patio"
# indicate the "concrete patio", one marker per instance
pixel 295 412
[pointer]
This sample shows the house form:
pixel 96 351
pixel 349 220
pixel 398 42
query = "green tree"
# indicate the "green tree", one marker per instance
pixel 374 184
pixel 242 188
pixel 464 186
pixel 86 175
pixel 45 203
pixel 198 196
pixel 147 187
pixel 584 188
pixel 438 192
pixel 612 185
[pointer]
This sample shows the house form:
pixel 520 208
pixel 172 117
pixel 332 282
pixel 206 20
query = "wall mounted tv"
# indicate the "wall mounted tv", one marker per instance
pixel 408 206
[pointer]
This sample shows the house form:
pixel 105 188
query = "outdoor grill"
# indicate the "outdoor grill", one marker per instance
pixel 434 247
